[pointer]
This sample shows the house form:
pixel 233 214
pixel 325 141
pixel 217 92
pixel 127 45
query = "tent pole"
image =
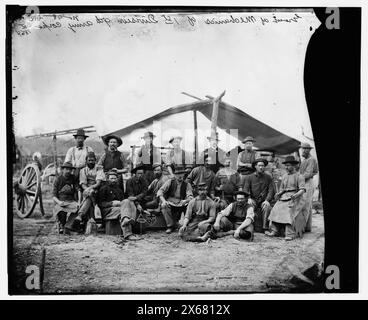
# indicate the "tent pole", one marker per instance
pixel 216 102
pixel 195 136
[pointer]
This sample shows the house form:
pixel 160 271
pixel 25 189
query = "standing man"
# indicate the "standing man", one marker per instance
pixel 260 187
pixel 199 217
pixel 203 173
pixel 287 213
pixel 176 157
pixel 236 219
pixel 113 158
pixel 148 154
pixel 65 193
pixel 77 155
pixel 175 195
pixel 215 154
pixel 246 158
pixel 90 179
pixel 226 183
pixel 308 168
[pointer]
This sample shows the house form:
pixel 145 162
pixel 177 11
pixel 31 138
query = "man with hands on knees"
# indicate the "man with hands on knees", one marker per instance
pixel 236 219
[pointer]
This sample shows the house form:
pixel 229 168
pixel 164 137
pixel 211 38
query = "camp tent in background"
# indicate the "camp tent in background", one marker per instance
pixel 229 117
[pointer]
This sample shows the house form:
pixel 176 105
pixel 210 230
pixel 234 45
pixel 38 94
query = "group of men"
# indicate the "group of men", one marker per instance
pixel 202 199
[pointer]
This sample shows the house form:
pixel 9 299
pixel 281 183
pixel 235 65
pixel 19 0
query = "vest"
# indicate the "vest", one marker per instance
pixel 237 215
pixel 112 160
pixel 172 189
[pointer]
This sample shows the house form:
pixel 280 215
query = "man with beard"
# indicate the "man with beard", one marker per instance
pixel 113 159
pixel 226 183
pixel 77 155
pixel 175 195
pixel 246 158
pixel 236 219
pixel 203 173
pixel 64 195
pixel 156 184
pixel 260 187
pixel 110 197
pixel 215 154
pixel 308 168
pixel 136 190
pixel 90 178
pixel 199 217
pixel 147 155
pixel 287 213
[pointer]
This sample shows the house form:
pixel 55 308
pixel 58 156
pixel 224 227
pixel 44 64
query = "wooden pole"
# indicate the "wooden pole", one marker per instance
pixel 55 151
pixel 216 103
pixel 195 136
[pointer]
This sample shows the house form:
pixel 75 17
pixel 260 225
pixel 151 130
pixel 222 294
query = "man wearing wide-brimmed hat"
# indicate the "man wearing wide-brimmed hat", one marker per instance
pixel 216 155
pixel 260 187
pixel 65 196
pixel 287 214
pixel 77 155
pixel 236 219
pixel 174 195
pixel 308 168
pixel 199 217
pixel 247 156
pixel 148 154
pixel 113 158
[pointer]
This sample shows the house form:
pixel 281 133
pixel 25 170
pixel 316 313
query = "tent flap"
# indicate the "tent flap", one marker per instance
pixel 229 117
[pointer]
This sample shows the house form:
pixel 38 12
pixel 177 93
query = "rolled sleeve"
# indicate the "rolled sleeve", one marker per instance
pixel 165 188
pixel 301 182
pixel 250 214
pixel 189 212
pixel 83 177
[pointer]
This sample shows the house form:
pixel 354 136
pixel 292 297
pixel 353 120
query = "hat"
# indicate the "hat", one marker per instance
pixel 112 172
pixel 254 163
pixel 202 185
pixel 175 137
pixel 212 138
pixel 111 136
pixel 291 160
pixel 155 165
pixel 138 167
pixel 67 164
pixel 244 234
pixel 91 154
pixel 249 138
pixel 305 145
pixel 246 169
pixel 148 134
pixel 80 132
pixel 242 192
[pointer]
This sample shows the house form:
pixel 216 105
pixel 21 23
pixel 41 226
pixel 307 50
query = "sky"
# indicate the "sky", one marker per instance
pixel 113 74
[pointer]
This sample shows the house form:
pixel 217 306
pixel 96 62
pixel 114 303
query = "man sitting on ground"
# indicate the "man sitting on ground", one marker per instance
pixel 199 217
pixel 236 219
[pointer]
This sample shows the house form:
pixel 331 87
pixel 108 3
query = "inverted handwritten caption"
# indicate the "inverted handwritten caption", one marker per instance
pixel 73 23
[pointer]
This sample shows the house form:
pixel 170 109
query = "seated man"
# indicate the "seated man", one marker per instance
pixel 156 184
pixel 110 196
pixel 226 183
pixel 287 213
pixel 200 215
pixel 90 178
pixel 64 195
pixel 236 219
pixel 260 187
pixel 136 190
pixel 175 195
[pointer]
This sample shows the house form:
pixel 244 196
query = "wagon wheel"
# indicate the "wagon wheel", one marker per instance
pixel 28 191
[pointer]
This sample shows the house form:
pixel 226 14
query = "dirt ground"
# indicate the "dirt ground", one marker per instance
pixel 162 263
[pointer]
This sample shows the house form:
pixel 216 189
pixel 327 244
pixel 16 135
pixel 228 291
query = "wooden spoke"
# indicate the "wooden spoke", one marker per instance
pixel 31 193
pixel 32 184
pixel 30 178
